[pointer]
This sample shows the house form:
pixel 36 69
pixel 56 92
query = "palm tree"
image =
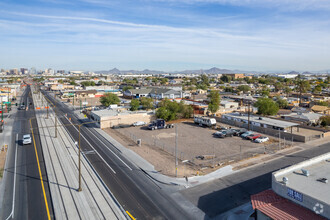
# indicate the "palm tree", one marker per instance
pixel 301 86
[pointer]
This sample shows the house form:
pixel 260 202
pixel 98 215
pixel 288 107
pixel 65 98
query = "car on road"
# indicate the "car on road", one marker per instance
pixel 261 139
pixel 244 135
pixel 22 107
pixel 139 123
pixel 253 136
pixel 27 139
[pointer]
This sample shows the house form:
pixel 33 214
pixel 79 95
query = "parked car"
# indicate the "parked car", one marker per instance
pixel 224 133
pixel 253 136
pixel 218 133
pixel 245 134
pixel 261 139
pixel 238 132
pixel 139 123
pixel 27 139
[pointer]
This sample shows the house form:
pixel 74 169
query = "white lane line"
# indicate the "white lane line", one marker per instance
pixel 92 146
pixel 111 151
pixel 13 203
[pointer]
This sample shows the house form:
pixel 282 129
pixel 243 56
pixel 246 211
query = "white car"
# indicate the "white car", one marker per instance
pixel 27 139
pixel 261 139
pixel 139 123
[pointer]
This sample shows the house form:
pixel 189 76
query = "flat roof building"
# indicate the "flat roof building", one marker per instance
pixel 306 184
pixel 259 121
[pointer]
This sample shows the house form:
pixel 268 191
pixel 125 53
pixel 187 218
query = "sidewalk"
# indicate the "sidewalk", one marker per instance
pixel 61 158
pixel 196 180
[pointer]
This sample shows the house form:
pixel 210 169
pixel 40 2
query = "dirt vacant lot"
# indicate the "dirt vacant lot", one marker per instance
pixel 193 141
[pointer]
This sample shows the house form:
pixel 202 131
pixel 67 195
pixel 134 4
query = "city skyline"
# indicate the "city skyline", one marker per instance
pixel 166 35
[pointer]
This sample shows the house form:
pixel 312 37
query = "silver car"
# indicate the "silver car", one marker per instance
pixel 27 139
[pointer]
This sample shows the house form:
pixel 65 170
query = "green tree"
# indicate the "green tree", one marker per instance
pixel 135 103
pixel 278 86
pixel 287 90
pixel 205 80
pixel 214 101
pixel 266 106
pixel 163 113
pixel 265 92
pixel 325 120
pixel 225 78
pixel 301 86
pixel 125 88
pixel 229 89
pixel 109 99
pixel 244 88
pixel 317 89
pixel 60 81
pixel 163 81
pixel 72 82
pixel 323 103
pixel 146 103
pixel 282 103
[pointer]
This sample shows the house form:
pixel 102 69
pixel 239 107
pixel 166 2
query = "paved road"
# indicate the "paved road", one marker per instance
pixel 28 197
pixel 131 187
pixel 224 194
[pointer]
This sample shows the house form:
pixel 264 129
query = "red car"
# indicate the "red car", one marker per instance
pixel 253 136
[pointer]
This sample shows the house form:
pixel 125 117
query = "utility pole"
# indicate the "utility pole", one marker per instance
pixel 73 102
pixel 249 115
pixel 176 150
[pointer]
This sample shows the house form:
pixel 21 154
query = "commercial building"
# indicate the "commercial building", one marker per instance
pixel 301 191
pixel 113 117
pixel 258 121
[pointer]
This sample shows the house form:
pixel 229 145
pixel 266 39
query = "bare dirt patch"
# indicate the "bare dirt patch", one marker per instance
pixel 196 144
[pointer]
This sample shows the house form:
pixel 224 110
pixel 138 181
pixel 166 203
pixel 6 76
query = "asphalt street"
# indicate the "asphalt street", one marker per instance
pixel 23 194
pixel 132 188
pixel 224 194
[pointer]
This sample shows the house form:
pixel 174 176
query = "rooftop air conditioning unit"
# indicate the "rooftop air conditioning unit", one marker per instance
pixel 305 172
pixel 285 180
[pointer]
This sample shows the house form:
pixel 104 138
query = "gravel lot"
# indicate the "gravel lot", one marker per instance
pixel 194 141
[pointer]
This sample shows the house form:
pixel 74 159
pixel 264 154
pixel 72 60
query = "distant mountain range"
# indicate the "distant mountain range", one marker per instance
pixel 213 70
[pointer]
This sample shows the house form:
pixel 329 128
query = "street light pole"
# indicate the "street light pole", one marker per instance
pixel 79 189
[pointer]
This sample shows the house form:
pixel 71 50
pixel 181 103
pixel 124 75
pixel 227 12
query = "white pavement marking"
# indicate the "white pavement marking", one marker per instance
pixel 92 146
pixel 13 204
pixel 111 151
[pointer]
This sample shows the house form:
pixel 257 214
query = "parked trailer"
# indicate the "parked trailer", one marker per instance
pixel 205 121
pixel 159 124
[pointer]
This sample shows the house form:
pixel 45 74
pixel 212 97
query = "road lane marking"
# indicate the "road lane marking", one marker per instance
pixel 42 182
pixel 13 202
pixel 131 216
pixel 111 151
pixel 91 147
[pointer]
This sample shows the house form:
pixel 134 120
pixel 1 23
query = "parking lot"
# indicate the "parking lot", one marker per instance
pixel 195 141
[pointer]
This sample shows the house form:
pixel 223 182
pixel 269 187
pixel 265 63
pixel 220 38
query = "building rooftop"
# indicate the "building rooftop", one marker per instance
pixel 115 112
pixel 311 185
pixel 278 207
pixel 263 120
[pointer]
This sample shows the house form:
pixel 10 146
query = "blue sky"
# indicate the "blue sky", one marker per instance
pixel 261 35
